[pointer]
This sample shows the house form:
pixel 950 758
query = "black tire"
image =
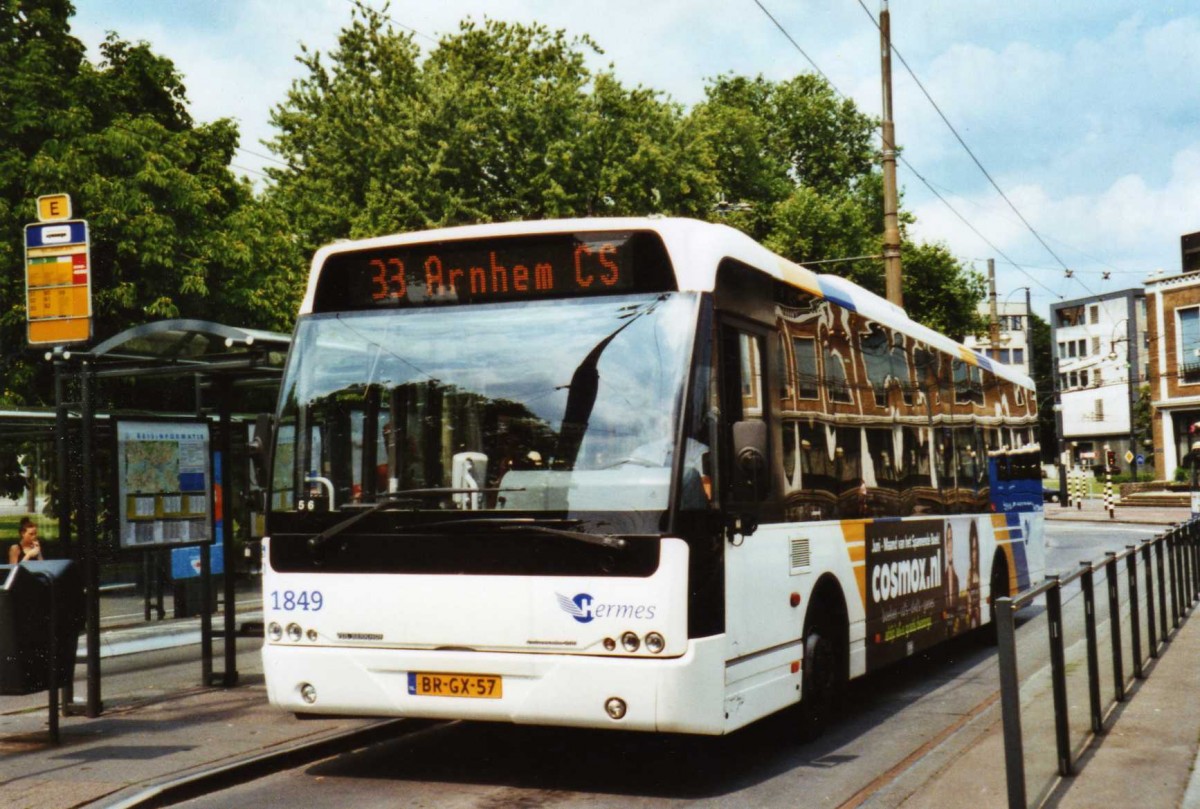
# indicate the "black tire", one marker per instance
pixel 823 681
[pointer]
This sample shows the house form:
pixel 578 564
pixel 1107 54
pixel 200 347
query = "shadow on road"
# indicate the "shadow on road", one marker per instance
pixel 655 765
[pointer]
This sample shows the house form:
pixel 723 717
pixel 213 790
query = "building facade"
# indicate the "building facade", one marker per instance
pixel 1100 362
pixel 1173 304
pixel 1013 346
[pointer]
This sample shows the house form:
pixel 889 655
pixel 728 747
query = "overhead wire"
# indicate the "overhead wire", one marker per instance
pixel 962 142
pixel 902 159
pixel 1052 238
pixel 361 4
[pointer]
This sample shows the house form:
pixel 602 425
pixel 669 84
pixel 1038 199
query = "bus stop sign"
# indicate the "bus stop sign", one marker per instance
pixel 58 282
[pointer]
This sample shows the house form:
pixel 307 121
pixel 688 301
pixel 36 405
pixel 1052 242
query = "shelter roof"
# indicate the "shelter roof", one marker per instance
pixel 185 346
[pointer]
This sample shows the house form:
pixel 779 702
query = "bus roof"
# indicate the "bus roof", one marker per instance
pixel 696 248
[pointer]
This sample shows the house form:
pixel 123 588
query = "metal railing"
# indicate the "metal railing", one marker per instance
pixel 1168 567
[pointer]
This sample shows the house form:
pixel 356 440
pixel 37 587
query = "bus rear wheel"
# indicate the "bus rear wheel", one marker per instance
pixel 823 680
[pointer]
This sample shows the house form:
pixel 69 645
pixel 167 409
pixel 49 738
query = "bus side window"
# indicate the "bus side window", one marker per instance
pixel 748 465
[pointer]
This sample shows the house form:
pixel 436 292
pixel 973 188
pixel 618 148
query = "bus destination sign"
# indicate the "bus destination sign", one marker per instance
pixel 493 270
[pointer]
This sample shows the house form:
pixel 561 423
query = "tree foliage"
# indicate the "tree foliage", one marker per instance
pixel 500 122
pixel 505 121
pixel 173 231
pixel 798 165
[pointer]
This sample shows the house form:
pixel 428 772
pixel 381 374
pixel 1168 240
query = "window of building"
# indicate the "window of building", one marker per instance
pixel 1083 348
pixel 1018 356
pixel 1099 409
pixel 1096 345
pixel 1083 378
pixel 1096 377
pixel 835 376
pixel 1062 351
pixel 1189 335
pixel 1072 349
pixel 805 349
pixel 1094 314
pixel 1069 316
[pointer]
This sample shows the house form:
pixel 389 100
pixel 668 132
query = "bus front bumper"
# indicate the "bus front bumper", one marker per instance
pixel 677 695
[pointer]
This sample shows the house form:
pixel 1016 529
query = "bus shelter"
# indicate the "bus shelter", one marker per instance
pixel 227 367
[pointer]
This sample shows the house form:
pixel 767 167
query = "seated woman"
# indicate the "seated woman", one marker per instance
pixel 27 549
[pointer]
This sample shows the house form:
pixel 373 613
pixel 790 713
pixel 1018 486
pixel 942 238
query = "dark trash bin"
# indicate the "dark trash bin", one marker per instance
pixel 26 591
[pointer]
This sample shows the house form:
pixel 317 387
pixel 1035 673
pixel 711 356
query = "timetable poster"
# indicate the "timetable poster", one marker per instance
pixel 905 584
pixel 164 476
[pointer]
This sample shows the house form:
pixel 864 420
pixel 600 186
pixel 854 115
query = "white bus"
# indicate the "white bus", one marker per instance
pixel 633 473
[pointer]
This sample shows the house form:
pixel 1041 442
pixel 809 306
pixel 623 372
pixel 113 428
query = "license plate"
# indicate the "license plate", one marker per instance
pixel 472 686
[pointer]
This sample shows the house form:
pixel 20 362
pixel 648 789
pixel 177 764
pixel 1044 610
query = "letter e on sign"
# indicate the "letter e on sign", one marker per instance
pixel 53 207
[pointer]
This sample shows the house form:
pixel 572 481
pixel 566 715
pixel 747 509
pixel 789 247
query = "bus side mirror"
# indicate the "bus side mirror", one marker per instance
pixel 750 453
pixel 259 448
pixel 750 446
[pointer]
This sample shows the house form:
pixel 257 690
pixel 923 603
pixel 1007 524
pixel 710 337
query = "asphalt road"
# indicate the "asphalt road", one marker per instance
pixel 901 725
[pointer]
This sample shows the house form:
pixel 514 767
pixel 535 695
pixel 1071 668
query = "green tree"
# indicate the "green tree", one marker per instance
pixel 505 121
pixel 173 231
pixel 501 121
pixel 798 166
pixel 1041 362
pixel 939 290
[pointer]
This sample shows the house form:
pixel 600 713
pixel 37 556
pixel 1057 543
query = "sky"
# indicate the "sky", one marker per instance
pixel 1084 113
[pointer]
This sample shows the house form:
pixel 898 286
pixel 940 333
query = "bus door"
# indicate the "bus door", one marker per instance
pixel 756 566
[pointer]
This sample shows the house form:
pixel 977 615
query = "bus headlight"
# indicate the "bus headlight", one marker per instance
pixel 312 635
pixel 294 633
pixel 275 631
pixel 630 642
pixel 655 643
pixel 308 693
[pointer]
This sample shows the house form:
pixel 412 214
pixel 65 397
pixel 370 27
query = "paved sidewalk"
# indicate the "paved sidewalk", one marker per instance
pixel 1093 511
pixel 106 760
pixel 1147 759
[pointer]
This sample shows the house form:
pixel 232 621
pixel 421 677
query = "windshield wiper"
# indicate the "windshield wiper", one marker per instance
pixel 538 525
pixel 603 540
pixel 391 500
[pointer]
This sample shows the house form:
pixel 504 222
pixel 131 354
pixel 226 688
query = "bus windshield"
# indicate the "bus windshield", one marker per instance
pixel 565 406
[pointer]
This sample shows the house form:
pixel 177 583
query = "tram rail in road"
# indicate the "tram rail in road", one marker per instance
pixel 182 788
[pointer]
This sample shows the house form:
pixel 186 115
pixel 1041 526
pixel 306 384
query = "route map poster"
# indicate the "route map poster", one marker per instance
pixel 906 590
pixel 164 479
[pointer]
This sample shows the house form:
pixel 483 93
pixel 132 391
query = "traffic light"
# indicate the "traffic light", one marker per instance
pixel 1110 458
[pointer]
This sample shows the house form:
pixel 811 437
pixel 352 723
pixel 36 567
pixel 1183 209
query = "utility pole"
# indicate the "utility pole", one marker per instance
pixel 1132 361
pixel 1029 333
pixel 891 222
pixel 993 315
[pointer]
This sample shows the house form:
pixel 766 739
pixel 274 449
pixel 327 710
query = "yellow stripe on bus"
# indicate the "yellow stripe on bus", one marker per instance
pixel 798 276
pixel 854 533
